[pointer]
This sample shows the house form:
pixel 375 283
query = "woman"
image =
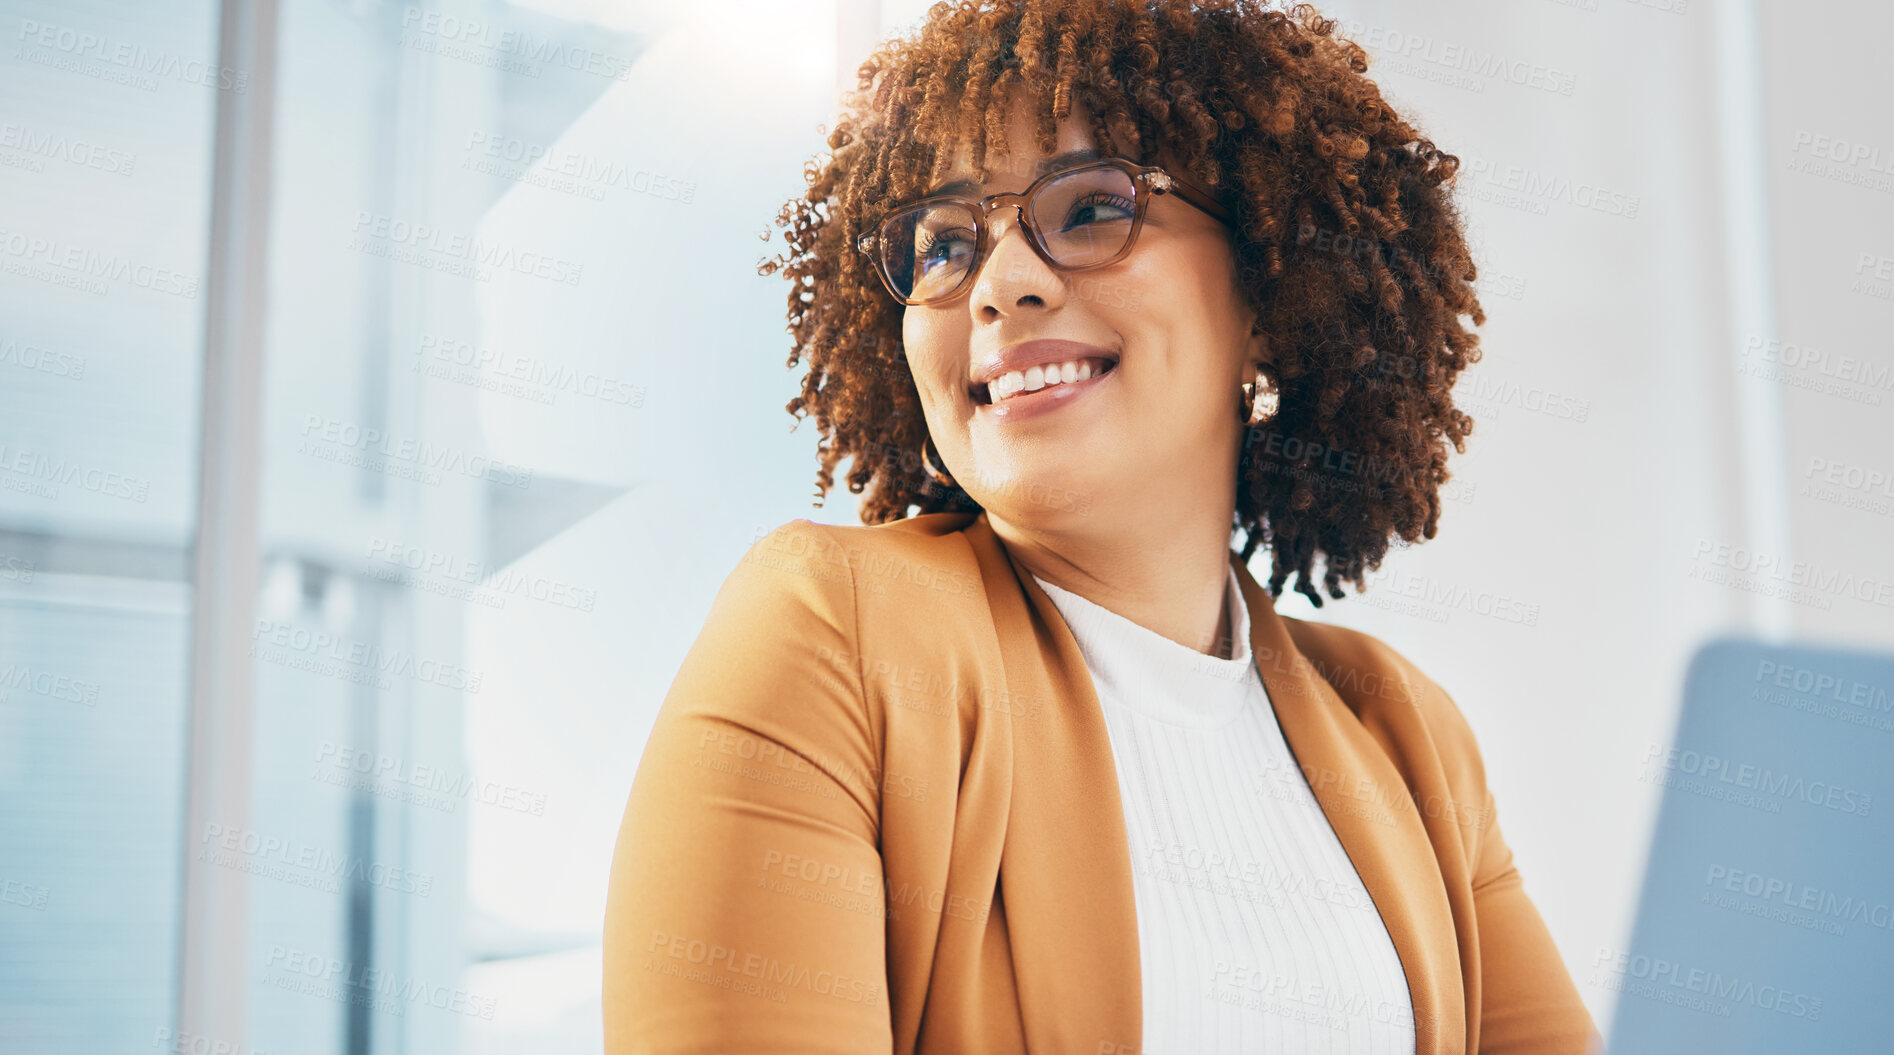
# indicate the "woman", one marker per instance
pixel 1032 763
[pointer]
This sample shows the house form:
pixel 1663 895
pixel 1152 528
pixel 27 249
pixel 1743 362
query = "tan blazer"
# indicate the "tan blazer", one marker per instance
pixel 878 812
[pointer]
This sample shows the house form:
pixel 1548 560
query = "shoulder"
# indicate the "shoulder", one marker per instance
pixel 832 567
pixel 1390 694
pixel 812 610
pixel 1366 671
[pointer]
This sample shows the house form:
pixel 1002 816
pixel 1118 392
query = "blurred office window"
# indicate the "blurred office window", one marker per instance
pixel 482 290
pixel 104 198
pixel 391 525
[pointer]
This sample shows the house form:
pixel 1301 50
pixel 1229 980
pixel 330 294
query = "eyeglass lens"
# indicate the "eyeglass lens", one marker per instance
pixel 1082 218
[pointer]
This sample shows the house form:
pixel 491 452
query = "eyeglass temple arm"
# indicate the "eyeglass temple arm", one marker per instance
pixel 1165 183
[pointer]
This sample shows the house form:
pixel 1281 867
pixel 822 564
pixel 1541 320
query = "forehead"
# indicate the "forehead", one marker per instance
pixel 1022 161
pixel 1015 172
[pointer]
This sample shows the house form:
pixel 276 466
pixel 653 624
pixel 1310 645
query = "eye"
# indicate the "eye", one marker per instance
pixel 1098 207
pixel 932 249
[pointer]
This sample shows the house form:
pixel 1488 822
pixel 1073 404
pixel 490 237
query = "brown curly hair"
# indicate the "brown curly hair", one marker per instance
pixel 1347 245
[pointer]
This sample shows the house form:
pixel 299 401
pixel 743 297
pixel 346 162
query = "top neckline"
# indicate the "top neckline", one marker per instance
pixel 1150 673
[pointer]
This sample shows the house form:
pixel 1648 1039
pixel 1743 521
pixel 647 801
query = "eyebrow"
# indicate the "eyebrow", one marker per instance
pixel 1056 161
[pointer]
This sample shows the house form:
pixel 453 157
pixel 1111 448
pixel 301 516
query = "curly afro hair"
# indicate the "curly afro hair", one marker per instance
pixel 1347 245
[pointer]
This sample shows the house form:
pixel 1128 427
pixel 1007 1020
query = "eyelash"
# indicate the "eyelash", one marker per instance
pixel 922 246
pixel 1113 199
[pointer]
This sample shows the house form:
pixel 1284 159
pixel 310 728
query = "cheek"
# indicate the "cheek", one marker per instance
pixel 1160 292
pixel 913 332
pixel 1185 324
pixel 1194 275
pixel 935 344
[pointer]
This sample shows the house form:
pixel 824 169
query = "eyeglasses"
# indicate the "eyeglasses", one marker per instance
pixel 1075 219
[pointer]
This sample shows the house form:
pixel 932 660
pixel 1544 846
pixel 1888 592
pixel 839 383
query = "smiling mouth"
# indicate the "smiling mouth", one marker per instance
pixel 1051 375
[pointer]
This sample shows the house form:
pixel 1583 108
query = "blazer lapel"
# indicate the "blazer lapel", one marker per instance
pixel 1065 874
pixel 1366 802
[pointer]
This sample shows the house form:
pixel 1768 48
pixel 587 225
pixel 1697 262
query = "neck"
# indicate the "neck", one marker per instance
pixel 1169 575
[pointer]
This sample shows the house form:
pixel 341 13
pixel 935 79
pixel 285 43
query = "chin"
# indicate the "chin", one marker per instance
pixel 1034 494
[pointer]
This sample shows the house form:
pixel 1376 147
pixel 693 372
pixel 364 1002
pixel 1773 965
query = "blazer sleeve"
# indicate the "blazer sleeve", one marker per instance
pixel 746 911
pixel 1529 1004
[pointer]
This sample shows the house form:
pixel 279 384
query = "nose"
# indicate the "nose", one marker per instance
pixel 1012 276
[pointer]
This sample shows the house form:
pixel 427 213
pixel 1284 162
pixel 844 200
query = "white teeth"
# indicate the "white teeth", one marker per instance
pixel 1034 378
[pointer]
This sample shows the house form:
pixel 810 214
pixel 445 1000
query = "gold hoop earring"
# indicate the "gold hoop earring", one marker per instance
pixel 1260 400
pixel 938 475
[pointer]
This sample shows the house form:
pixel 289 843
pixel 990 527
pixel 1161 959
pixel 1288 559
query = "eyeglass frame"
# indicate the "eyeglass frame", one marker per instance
pixel 1147 181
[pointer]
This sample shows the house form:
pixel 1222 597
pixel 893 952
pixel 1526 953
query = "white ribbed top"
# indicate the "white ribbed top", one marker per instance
pixel 1254 931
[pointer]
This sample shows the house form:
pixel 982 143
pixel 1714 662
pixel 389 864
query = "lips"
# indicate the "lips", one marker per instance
pixel 1011 386
pixel 1024 357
